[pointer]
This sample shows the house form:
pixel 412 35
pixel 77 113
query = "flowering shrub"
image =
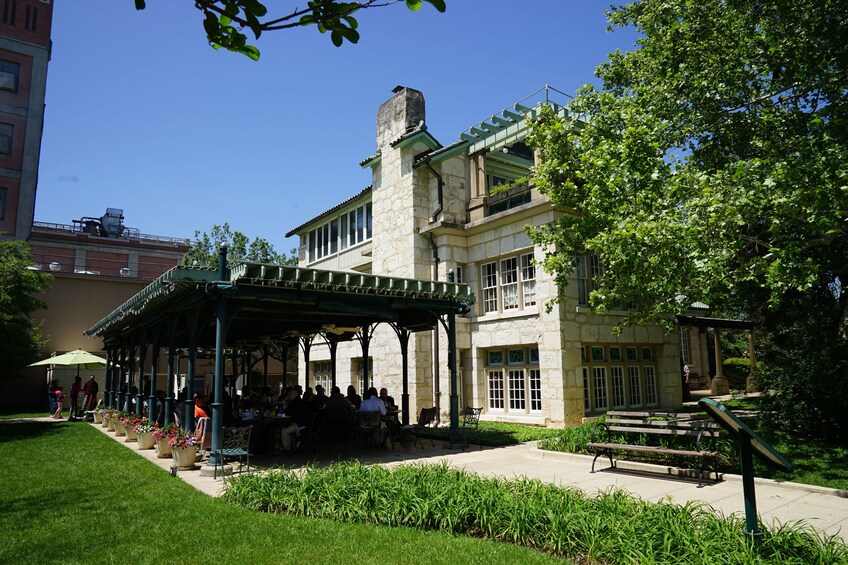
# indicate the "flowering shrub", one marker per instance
pixel 144 427
pixel 182 439
pixel 166 432
pixel 131 420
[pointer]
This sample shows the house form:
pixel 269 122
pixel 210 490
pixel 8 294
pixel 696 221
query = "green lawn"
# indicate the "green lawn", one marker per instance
pixel 72 495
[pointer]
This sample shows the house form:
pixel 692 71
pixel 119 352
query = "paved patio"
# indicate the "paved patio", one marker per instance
pixel 777 502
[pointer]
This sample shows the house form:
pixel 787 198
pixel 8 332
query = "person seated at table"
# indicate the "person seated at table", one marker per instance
pixel 387 400
pixel 307 396
pixel 352 397
pixel 199 406
pixel 340 414
pixel 372 403
pixel 320 398
pixel 298 418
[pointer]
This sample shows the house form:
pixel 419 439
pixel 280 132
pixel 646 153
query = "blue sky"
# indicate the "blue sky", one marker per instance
pixel 143 115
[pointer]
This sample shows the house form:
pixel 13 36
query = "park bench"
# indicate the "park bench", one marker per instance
pixel 640 428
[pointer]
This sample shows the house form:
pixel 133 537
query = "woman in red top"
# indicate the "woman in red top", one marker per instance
pixel 199 403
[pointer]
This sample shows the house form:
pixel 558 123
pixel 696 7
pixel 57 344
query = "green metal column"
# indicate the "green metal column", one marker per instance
pixel 454 398
pixel 142 354
pixel 152 411
pixel 110 360
pixel 188 415
pixel 129 376
pixel 169 383
pixel 220 343
pixel 745 454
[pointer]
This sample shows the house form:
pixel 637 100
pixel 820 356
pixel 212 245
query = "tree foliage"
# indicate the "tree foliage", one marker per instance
pixel 203 251
pixel 225 20
pixel 713 157
pixel 20 335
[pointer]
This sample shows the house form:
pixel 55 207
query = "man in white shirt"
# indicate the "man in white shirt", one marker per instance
pixel 372 403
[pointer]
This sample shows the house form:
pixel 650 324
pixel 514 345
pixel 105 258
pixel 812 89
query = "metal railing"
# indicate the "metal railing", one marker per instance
pixel 129 234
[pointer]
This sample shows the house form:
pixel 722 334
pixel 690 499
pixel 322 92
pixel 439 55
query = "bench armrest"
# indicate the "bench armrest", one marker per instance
pixel 595 429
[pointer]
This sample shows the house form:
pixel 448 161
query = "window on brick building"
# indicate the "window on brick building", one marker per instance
pixel 9 74
pixel 10 11
pixel 6 133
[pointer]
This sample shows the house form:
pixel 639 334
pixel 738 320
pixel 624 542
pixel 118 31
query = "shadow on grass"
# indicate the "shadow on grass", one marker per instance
pixel 18 429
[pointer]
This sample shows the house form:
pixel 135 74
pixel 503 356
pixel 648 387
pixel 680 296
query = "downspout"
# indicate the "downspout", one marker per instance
pixel 440 185
pixel 437 393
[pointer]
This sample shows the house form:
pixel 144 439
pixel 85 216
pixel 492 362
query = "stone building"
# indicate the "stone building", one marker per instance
pixel 431 213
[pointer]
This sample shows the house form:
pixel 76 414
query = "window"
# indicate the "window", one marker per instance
pixel 3 197
pixel 358 373
pixel 685 345
pixel 588 269
pixel 612 382
pixel 517 389
pixel 508 284
pixel 6 133
pixel 322 374
pixel 10 11
pixel 9 74
pixel 337 234
pixel 31 18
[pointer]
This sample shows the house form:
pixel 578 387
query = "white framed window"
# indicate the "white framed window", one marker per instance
pixel 508 284
pixel 685 345
pixel 618 377
pixel 617 380
pixel 489 278
pixel 650 385
pixel 359 374
pixel 339 233
pixel 10 72
pixel 528 280
pixel 587 269
pixel 517 388
pixel 496 389
pixel 322 374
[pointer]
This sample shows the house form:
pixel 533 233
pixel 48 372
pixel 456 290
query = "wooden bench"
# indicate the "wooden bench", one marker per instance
pixel 662 424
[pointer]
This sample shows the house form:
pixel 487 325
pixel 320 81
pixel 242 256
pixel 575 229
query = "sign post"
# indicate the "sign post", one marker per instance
pixel 749 444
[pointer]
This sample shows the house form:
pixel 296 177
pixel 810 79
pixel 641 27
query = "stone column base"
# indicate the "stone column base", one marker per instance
pixel 719 386
pixel 209 470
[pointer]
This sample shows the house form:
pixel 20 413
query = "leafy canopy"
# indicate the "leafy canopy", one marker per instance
pixel 21 337
pixel 203 251
pixel 224 20
pixel 714 157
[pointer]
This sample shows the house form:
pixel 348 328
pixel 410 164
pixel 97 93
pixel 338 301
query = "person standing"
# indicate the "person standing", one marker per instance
pixel 52 387
pixel 89 391
pixel 73 394
pixel 60 401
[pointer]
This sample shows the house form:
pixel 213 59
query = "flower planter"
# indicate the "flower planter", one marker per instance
pixel 163 450
pixel 145 440
pixel 98 417
pixel 105 422
pixel 184 457
pixel 131 435
pixel 120 430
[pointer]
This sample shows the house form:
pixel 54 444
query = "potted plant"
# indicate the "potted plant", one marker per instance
pixel 98 415
pixel 130 422
pixel 119 418
pixel 144 432
pixel 161 437
pixel 183 449
pixel 107 419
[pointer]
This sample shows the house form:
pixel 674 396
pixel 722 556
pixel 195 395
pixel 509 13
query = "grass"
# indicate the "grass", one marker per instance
pixel 497 434
pixel 610 528
pixel 72 495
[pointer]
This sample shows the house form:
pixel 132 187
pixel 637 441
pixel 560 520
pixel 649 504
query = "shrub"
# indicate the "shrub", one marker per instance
pixel 736 370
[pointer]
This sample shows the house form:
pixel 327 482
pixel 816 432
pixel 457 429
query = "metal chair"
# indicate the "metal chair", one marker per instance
pixel 471 423
pixel 370 428
pixel 426 419
pixel 235 444
pixel 203 433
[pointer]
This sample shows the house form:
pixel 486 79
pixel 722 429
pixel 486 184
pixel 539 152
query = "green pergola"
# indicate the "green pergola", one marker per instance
pixel 253 305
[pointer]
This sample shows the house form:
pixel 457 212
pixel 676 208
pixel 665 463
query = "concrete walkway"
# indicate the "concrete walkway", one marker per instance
pixel 777 502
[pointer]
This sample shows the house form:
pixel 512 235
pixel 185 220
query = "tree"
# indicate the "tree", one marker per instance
pixel 710 166
pixel 19 282
pixel 714 156
pixel 224 20
pixel 203 251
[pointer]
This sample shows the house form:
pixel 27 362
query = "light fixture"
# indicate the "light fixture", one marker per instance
pixel 54 266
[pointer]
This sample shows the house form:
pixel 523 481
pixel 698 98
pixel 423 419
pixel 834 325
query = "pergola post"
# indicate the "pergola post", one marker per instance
pixel 117 386
pixel 152 412
pixel 125 394
pixel 334 346
pixel 403 339
pixel 306 346
pixel 221 324
pixel 110 360
pixel 188 414
pixel 753 382
pixel 142 354
pixel 719 384
pixel 265 352
pixel 365 335
pixel 454 398
pixel 169 384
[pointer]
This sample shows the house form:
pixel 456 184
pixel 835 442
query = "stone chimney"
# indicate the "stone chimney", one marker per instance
pixel 399 114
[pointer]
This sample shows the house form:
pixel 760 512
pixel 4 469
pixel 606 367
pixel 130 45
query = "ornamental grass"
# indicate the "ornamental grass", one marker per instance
pixel 611 527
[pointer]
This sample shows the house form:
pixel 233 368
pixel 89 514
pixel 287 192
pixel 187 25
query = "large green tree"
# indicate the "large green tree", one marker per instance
pixel 224 20
pixel 203 251
pixel 19 283
pixel 712 165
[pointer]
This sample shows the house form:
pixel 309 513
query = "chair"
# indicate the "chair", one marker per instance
pixel 203 433
pixel 235 444
pixel 471 423
pixel 426 419
pixel 370 428
pixel 90 413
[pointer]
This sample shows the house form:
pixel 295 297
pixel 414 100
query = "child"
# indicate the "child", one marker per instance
pixel 60 399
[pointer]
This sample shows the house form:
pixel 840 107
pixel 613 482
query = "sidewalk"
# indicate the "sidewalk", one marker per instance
pixel 777 502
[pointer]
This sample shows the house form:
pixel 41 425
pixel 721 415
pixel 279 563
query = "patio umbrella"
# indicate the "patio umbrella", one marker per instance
pixel 78 357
